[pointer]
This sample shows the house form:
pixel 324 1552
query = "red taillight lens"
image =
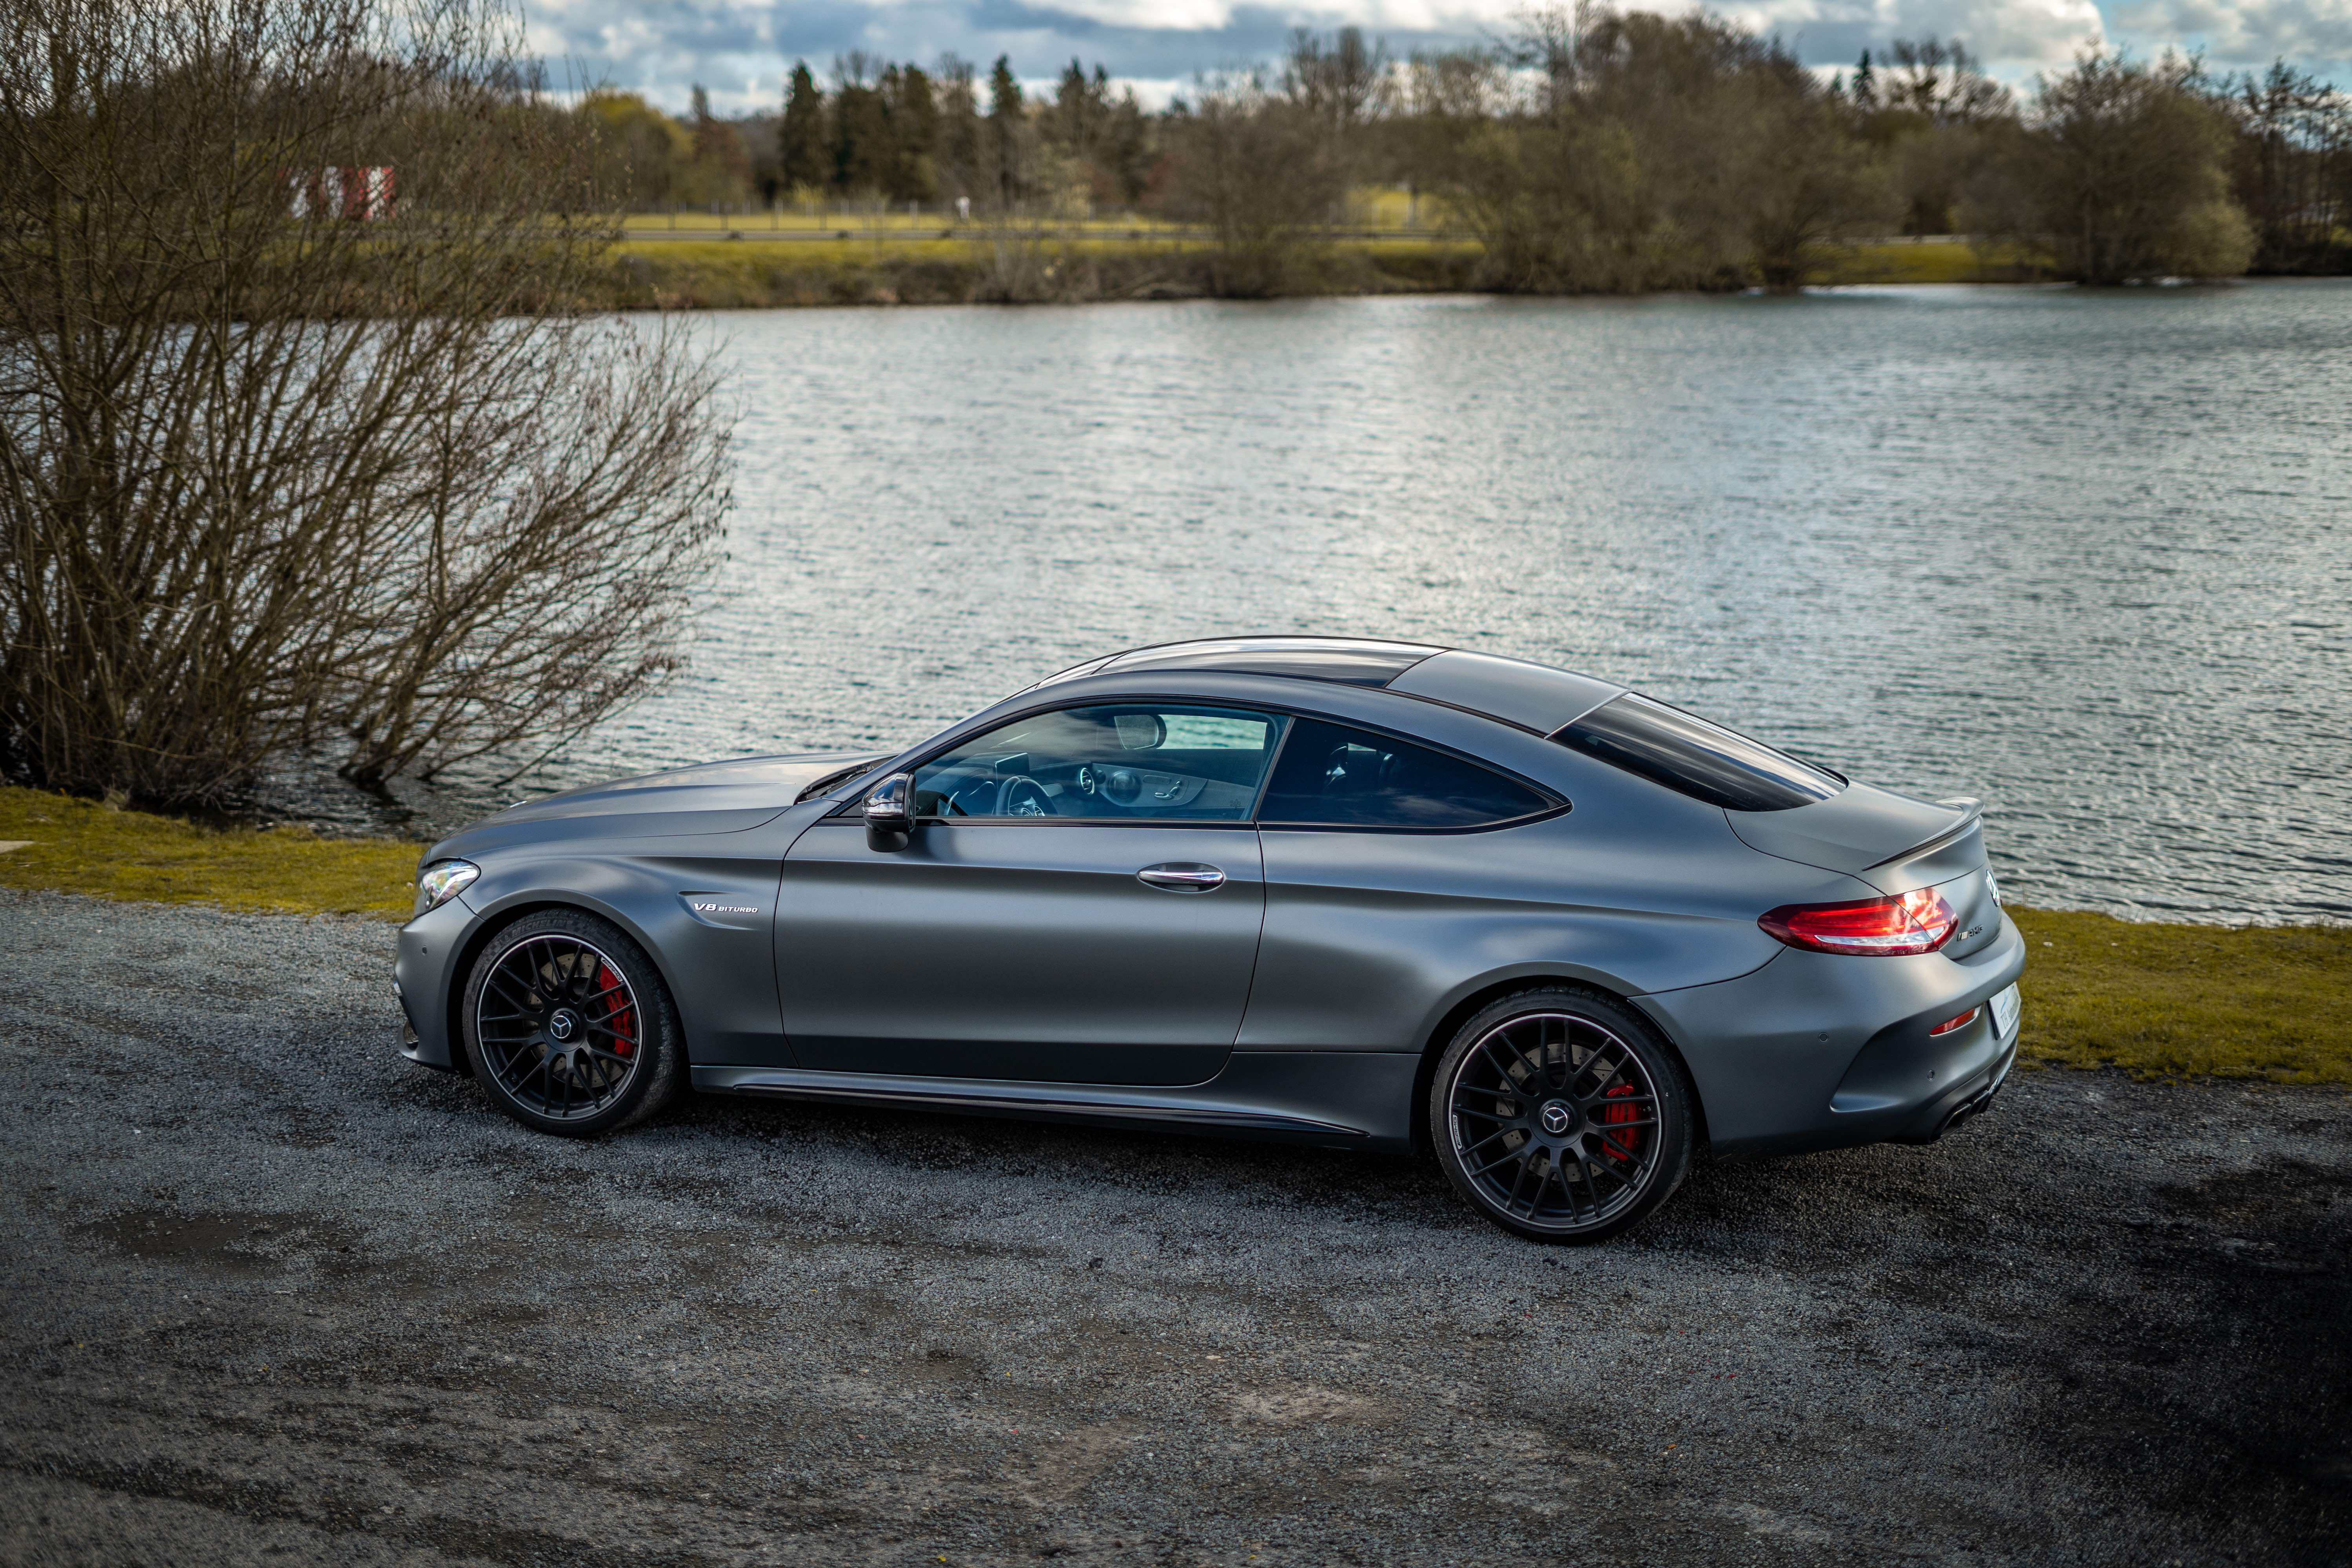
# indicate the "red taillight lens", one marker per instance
pixel 1916 922
pixel 1949 1024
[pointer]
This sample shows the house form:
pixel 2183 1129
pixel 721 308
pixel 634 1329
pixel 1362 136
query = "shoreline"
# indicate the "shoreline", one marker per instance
pixel 715 271
pixel 2160 1001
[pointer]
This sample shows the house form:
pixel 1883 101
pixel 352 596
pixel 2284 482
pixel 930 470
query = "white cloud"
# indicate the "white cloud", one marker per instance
pixel 1157 16
pixel 2246 32
pixel 741 48
pixel 2008 35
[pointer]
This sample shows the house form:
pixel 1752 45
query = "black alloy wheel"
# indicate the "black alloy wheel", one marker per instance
pixel 1560 1115
pixel 569 1025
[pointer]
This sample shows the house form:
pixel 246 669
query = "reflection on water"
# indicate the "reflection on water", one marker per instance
pixel 2085 555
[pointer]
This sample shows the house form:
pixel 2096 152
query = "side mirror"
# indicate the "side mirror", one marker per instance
pixel 890 812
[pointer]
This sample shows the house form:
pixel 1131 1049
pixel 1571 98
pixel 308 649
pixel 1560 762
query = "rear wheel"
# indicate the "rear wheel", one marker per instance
pixel 569 1025
pixel 1562 1115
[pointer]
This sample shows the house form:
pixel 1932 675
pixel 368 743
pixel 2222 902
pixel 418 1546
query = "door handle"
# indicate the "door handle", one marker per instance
pixel 1181 877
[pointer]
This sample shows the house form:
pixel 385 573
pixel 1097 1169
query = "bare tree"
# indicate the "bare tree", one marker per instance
pixel 1939 82
pixel 1938 122
pixel 2293 167
pixel 2126 173
pixel 1608 153
pixel 300 443
pixel 1259 172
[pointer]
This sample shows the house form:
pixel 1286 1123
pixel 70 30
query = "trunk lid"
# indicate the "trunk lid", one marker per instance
pixel 1892 842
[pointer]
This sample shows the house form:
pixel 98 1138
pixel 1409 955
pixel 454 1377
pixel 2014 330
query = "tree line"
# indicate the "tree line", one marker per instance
pixel 887 132
pixel 1590 151
pixel 279 482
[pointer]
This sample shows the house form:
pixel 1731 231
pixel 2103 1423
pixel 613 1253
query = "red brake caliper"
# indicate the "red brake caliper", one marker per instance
pixel 622 1019
pixel 1630 1141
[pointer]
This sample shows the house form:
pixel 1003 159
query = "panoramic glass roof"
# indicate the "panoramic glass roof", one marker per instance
pixel 1532 696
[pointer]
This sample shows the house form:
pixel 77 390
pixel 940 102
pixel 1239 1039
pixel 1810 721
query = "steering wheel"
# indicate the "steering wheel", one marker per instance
pixel 1022 795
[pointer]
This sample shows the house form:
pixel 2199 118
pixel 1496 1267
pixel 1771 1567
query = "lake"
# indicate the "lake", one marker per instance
pixel 2086 555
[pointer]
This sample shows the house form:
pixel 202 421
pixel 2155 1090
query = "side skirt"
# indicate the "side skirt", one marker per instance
pixel 1348 1100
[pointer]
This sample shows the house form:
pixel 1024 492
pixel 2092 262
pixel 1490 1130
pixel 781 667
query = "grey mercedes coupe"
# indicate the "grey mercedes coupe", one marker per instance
pixel 1370 895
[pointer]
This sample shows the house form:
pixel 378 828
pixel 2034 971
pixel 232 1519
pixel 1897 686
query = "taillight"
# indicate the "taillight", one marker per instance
pixel 1949 1024
pixel 1916 922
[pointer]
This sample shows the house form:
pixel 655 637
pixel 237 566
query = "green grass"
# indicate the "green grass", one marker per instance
pixel 81 846
pixel 812 253
pixel 655 226
pixel 2187 1001
pixel 703 271
pixel 2158 1001
pixel 708 273
pixel 1928 262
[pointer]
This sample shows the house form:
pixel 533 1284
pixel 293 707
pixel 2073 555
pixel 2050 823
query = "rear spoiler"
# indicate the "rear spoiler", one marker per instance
pixel 1971 812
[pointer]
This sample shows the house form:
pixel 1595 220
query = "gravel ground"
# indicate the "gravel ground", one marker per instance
pixel 272 1292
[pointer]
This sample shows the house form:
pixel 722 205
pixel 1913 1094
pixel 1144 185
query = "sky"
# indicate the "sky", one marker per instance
pixel 740 49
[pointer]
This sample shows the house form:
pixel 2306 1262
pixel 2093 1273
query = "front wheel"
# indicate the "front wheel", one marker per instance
pixel 569 1025
pixel 1562 1115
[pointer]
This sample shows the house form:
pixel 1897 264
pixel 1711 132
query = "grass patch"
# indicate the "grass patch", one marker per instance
pixel 718 274
pixel 82 846
pixel 2158 1001
pixel 1928 262
pixel 701 270
pixel 2184 1001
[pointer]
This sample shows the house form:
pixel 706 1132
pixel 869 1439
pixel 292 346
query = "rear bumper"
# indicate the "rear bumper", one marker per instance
pixel 1819 1050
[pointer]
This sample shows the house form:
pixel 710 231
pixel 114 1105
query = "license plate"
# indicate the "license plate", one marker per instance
pixel 2005 1008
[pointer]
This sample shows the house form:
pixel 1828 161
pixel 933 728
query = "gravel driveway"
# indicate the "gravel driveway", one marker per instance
pixel 272 1292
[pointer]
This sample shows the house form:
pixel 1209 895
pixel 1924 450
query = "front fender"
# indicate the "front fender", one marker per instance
pixel 706 920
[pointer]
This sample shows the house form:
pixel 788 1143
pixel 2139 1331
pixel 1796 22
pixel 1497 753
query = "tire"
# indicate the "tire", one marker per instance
pixel 1537 1113
pixel 569 1027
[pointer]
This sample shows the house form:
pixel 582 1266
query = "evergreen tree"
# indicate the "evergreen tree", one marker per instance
pixel 1128 152
pixel 1080 107
pixel 861 129
pixel 914 116
pixel 1007 120
pixel 1865 87
pixel 959 158
pixel 803 158
pixel 721 172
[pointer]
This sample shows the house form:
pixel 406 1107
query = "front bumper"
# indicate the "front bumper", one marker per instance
pixel 422 973
pixel 1819 1050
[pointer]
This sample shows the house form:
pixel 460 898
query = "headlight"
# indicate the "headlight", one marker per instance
pixel 442 881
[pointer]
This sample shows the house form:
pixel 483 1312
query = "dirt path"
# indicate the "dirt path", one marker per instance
pixel 271 1290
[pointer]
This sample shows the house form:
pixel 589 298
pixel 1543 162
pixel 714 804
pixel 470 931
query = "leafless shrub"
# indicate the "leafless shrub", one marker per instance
pixel 2293 167
pixel 1602 151
pixel 271 481
pixel 2125 174
pixel 1262 171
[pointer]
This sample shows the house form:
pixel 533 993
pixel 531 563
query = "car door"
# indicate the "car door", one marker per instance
pixel 1080 902
pixel 1389 866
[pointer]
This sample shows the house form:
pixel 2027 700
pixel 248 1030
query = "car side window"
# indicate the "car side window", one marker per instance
pixel 1110 763
pixel 1334 777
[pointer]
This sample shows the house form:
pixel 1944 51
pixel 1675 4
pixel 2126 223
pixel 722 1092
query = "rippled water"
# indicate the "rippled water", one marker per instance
pixel 2087 556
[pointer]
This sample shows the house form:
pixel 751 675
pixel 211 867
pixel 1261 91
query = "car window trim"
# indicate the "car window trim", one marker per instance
pixel 1560 805
pixel 1249 820
pixel 853 806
